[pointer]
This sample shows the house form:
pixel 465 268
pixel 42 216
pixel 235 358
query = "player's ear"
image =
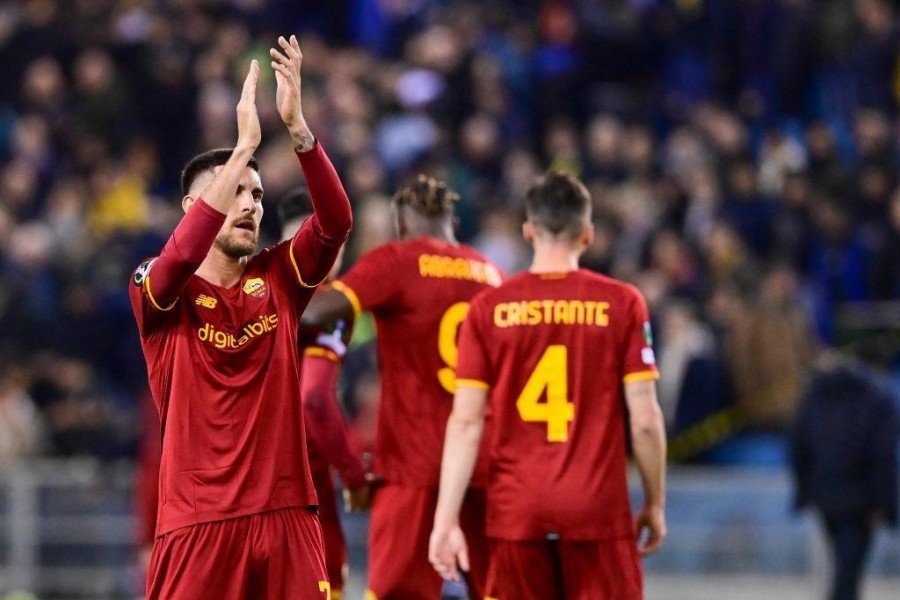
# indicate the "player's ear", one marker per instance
pixel 528 232
pixel 586 238
pixel 187 202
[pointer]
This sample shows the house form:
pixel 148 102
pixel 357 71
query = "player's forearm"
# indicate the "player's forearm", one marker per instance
pixel 460 453
pixel 648 440
pixel 330 202
pixel 186 248
pixel 316 244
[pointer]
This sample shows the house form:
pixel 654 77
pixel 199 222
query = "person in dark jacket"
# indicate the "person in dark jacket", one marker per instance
pixel 844 450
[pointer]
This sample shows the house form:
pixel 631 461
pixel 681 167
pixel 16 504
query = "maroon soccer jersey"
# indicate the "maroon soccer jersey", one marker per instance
pixel 419 293
pixel 223 363
pixel 554 350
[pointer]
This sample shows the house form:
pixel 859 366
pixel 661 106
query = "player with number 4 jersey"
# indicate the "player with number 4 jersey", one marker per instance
pixel 559 352
pixel 418 290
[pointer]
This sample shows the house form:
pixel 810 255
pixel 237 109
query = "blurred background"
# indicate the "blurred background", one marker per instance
pixel 742 157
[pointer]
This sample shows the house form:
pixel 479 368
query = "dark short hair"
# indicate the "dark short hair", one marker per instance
pixel 293 204
pixel 427 196
pixel 204 162
pixel 557 203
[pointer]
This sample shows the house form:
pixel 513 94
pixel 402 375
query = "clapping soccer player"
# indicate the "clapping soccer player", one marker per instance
pixel 556 353
pixel 218 326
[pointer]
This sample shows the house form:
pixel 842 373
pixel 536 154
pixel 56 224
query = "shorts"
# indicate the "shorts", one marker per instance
pixel 399 529
pixel 561 570
pixel 275 555
pixel 332 533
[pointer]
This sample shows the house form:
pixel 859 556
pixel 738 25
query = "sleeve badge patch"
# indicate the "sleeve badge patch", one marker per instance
pixel 141 273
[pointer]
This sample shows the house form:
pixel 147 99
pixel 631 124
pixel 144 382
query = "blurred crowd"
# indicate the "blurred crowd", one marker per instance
pixel 741 156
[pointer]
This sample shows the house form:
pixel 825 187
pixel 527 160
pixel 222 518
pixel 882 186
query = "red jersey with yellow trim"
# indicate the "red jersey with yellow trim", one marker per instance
pixel 419 293
pixel 223 367
pixel 554 351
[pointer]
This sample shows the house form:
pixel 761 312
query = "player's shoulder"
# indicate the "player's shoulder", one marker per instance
pixel 611 285
pixel 392 250
pixel 510 287
pixel 263 258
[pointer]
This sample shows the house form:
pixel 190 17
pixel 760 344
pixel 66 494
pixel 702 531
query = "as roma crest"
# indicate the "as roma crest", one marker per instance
pixel 255 287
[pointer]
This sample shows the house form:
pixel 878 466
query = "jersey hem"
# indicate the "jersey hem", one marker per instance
pixel 640 376
pixel 472 383
pixel 323 353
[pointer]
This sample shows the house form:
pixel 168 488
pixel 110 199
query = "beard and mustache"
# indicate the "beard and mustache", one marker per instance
pixel 237 247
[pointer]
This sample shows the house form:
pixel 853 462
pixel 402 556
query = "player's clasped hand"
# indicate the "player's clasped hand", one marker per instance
pixel 447 551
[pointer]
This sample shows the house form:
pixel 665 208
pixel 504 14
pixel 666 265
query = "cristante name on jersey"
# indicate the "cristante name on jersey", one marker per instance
pixel 449 267
pixel 551 312
pixel 223 339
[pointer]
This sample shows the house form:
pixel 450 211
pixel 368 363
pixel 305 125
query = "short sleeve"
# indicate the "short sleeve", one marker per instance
pixel 639 359
pixel 373 280
pixel 473 368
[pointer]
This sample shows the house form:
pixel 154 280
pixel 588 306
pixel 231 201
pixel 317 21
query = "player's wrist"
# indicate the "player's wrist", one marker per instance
pixel 445 522
pixel 302 136
pixel 243 149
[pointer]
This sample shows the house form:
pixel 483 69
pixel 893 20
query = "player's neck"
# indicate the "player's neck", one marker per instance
pixel 221 270
pixel 442 232
pixel 552 257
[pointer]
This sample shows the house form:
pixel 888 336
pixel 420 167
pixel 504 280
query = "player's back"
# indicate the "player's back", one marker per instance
pixel 419 293
pixel 556 350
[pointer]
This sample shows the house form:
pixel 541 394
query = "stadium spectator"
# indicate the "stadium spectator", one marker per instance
pixel 844 449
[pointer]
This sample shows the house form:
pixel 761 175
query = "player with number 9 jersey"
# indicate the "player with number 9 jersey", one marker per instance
pixel 418 290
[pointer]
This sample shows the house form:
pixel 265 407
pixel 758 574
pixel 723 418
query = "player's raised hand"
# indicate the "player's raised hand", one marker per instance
pixel 650 524
pixel 287 60
pixel 249 132
pixel 447 551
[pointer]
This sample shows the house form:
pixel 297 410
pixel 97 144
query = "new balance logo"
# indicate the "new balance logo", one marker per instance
pixel 205 301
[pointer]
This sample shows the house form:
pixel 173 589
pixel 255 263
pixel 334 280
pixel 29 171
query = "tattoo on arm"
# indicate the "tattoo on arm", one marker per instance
pixel 304 141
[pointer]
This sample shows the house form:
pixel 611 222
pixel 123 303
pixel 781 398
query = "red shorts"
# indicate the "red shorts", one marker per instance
pixel 274 555
pixel 607 570
pixel 399 528
pixel 333 535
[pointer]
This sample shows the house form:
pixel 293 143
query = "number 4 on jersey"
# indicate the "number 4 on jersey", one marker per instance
pixel 550 374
